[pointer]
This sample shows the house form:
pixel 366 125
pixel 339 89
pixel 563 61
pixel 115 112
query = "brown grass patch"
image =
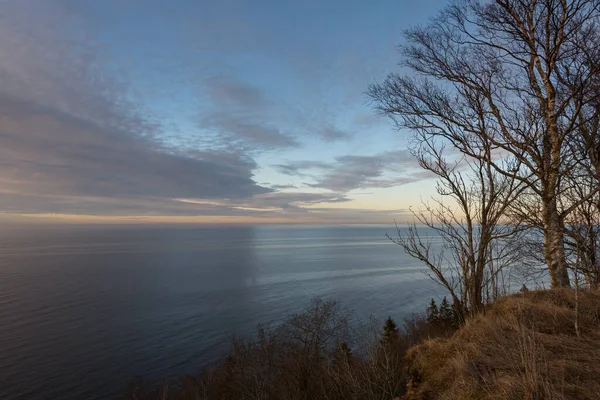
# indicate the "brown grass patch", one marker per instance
pixel 523 347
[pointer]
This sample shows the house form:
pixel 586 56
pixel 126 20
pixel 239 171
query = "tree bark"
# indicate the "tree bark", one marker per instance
pixel 554 247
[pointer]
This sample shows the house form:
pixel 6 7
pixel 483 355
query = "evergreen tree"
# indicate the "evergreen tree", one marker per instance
pixel 433 314
pixel 390 332
pixel 446 313
pixel 343 354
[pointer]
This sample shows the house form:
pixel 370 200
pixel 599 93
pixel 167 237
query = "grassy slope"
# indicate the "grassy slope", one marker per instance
pixel 524 347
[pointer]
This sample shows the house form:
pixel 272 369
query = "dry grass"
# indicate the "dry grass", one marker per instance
pixel 524 347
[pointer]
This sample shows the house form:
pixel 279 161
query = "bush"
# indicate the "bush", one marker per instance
pixel 308 356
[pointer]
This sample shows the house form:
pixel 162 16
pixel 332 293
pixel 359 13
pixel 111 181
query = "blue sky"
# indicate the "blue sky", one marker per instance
pixel 187 110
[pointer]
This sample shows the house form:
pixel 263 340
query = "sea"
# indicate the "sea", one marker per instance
pixel 87 310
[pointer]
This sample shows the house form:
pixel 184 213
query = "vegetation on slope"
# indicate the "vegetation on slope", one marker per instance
pixel 534 345
pixel 312 355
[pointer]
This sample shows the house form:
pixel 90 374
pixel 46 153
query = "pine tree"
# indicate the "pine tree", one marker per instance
pixel 446 313
pixel 433 314
pixel 390 332
pixel 343 354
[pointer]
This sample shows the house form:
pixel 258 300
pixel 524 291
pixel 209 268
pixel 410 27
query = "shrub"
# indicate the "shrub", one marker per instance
pixel 307 357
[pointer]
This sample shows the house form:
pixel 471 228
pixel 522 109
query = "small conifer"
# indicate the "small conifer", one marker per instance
pixel 390 331
pixel 433 314
pixel 446 313
pixel 343 353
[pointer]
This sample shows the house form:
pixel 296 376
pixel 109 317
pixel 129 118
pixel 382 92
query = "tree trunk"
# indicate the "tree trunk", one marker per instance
pixel 476 289
pixel 554 248
pixel 593 258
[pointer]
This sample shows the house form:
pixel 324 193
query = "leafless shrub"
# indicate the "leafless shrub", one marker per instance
pixel 309 356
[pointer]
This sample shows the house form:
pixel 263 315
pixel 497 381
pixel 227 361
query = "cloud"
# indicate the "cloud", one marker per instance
pixel 307 207
pixel 350 172
pixel 295 168
pixel 282 187
pixel 331 134
pixel 80 134
pixel 274 200
pixel 228 91
pixel 241 116
pixel 59 154
pixel 47 152
pixel 298 206
pixel 245 130
pixel 298 199
pixel 360 172
pixel 72 139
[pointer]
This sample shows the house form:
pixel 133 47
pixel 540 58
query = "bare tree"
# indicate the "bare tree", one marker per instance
pixel 311 338
pixel 583 230
pixel 583 185
pixel 476 244
pixel 520 73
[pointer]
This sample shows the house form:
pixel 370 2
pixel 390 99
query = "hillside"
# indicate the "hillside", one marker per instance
pixel 524 346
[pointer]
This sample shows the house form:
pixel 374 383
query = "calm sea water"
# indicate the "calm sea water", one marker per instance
pixel 84 311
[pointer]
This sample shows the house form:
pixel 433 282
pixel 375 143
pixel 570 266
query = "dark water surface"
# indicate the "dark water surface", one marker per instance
pixel 84 311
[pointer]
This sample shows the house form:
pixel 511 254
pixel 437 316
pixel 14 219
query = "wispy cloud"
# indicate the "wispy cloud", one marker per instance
pixel 227 91
pixel 246 130
pixel 242 116
pixel 298 207
pixel 331 134
pixel 302 168
pixel 350 172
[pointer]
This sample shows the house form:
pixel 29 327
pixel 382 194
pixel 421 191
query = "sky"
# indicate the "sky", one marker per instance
pixel 229 111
